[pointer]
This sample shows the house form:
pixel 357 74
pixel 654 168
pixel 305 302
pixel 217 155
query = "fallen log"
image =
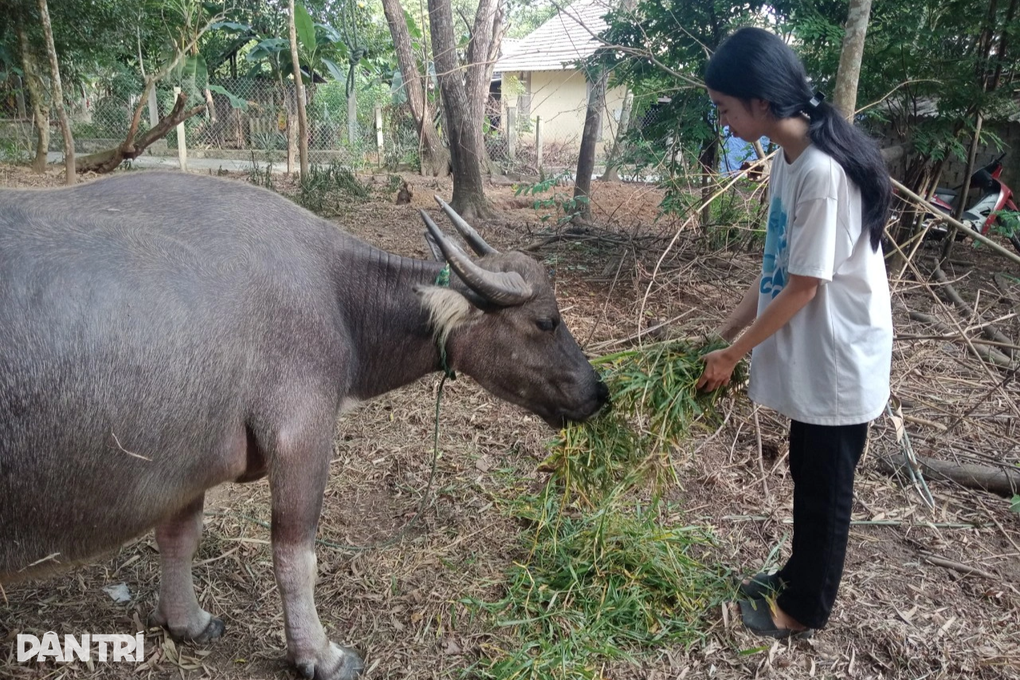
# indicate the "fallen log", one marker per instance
pixel 1002 481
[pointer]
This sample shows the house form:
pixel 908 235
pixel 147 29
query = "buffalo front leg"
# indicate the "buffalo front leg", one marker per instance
pixel 178 609
pixel 297 486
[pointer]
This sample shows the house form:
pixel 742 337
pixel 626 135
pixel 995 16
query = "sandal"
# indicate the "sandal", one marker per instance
pixel 761 585
pixel 757 618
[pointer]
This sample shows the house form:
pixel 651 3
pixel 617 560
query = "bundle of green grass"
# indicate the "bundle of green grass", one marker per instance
pixel 608 573
pixel 655 404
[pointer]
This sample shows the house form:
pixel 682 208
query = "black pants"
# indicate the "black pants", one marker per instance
pixel 822 463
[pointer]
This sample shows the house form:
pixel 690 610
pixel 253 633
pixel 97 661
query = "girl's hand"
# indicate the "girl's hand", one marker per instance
pixel 719 367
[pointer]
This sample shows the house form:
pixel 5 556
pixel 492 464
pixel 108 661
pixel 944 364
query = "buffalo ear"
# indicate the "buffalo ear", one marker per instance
pixel 437 253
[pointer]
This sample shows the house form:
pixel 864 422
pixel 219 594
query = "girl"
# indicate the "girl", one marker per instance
pixel 822 326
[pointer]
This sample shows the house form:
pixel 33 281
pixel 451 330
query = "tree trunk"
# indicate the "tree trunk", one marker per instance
pixel 759 151
pixel 589 142
pixel 151 91
pixel 288 106
pixel 849 73
pixel 299 93
pixel 41 116
pixel 435 159
pixel 1003 49
pixel 985 45
pixel 19 97
pixel 464 97
pixel 612 173
pixel 40 107
pixel 58 95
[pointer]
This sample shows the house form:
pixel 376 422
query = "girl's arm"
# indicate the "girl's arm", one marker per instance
pixel 719 365
pixel 743 314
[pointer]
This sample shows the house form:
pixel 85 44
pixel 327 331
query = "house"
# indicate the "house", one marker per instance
pixel 540 78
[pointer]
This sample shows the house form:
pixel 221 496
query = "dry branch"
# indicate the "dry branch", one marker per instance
pixel 989 331
pixel 985 353
pixel 130 148
pixel 964 569
pixel 1002 481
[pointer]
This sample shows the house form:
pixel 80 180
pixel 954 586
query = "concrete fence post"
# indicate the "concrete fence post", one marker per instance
pixel 182 146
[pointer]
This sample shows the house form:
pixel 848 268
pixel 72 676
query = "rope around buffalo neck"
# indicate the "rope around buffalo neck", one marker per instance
pixel 442 279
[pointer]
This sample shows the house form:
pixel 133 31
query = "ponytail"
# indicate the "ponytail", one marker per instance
pixel 861 160
pixel 756 64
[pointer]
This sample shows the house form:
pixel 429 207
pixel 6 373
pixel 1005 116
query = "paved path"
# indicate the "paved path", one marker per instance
pixel 170 163
pixel 207 164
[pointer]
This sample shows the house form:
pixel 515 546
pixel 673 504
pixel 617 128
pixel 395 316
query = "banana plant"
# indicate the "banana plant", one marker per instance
pixel 320 47
pixel 193 74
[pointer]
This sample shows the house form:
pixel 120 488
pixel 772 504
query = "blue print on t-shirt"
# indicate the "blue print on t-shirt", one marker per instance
pixel 777 257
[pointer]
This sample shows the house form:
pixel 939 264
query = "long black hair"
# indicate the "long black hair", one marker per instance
pixel 756 64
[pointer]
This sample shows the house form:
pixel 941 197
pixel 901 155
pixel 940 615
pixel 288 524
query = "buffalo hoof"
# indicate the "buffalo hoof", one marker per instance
pixel 212 630
pixel 341 663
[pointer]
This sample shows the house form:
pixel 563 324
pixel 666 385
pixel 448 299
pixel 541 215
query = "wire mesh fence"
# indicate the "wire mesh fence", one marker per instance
pixel 380 133
pixel 12 97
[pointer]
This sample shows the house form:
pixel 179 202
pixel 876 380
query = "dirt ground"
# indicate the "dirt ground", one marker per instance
pixel 901 614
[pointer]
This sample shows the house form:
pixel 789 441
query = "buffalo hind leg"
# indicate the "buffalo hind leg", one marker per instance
pixel 178 609
pixel 297 486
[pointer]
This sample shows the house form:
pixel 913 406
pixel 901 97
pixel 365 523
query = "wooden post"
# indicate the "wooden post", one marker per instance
pixel 511 132
pixel 182 146
pixel 379 134
pixel 352 118
pixel 538 143
pixel 299 94
pixel 70 176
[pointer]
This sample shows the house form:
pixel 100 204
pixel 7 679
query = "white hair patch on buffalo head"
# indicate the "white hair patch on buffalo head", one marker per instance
pixel 447 310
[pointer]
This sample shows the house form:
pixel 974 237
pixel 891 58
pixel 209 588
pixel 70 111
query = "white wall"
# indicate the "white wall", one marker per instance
pixel 561 99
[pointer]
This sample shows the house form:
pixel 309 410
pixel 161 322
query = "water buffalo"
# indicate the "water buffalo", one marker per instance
pixel 161 334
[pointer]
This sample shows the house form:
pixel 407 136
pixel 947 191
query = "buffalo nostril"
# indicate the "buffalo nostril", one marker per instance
pixel 602 392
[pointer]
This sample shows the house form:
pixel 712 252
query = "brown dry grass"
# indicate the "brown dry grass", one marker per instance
pixel 899 616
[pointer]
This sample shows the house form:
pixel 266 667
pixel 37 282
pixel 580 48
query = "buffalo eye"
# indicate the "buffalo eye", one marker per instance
pixel 547 325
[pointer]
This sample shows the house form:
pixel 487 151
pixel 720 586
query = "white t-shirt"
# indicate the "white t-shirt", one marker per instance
pixel 829 365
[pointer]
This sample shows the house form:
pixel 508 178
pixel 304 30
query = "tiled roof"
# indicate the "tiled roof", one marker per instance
pixel 507 46
pixel 559 42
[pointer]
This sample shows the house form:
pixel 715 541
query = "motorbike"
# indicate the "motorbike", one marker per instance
pixel 993 197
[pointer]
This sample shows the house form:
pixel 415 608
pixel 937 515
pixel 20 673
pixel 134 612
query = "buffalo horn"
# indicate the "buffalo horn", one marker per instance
pixel 506 289
pixel 472 237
